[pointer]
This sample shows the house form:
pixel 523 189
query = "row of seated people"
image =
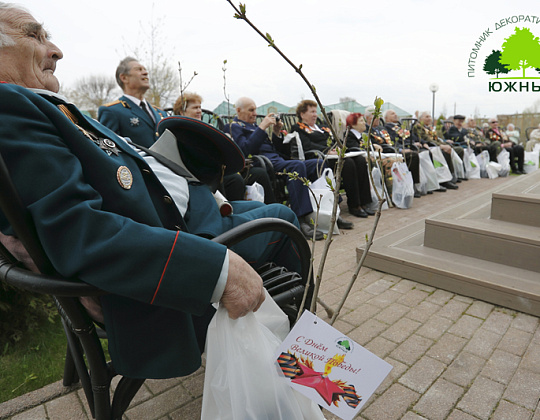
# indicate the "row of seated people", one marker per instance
pixel 493 139
pixel 253 140
pixel 391 139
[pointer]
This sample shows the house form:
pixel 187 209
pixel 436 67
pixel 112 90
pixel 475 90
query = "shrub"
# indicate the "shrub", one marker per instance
pixel 21 312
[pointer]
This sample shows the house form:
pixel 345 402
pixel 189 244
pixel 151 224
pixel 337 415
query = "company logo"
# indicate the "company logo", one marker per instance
pixel 344 344
pixel 510 51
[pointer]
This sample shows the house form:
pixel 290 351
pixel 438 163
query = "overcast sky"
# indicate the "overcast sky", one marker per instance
pixel 360 49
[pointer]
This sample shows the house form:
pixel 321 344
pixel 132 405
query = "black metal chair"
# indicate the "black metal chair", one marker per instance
pixel 85 359
pixel 528 132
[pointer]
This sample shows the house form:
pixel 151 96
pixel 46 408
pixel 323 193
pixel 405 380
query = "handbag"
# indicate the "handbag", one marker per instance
pixel 242 379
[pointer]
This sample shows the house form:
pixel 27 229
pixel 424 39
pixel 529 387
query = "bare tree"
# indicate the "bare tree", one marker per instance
pixel 163 76
pixel 93 91
pixel 533 108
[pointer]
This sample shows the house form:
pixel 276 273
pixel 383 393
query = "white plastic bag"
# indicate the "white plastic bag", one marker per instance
pixel 325 196
pixel 255 192
pixel 377 180
pixel 428 170
pixel 483 160
pixel 531 162
pixel 472 168
pixel 493 169
pixel 402 186
pixel 458 165
pixel 440 165
pixel 242 379
pixel 297 150
pixel 504 159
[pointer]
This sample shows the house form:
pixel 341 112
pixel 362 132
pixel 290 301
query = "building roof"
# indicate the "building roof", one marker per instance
pixel 274 107
pixel 351 106
pixel 225 108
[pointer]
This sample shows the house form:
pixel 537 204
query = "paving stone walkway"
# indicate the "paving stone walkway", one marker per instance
pixel 454 358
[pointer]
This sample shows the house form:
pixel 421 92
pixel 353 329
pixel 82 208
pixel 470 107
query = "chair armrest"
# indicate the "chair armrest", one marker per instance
pixel 267 224
pixel 40 283
pixel 314 154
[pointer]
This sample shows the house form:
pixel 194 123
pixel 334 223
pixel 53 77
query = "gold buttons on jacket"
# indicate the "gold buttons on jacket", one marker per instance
pixel 167 199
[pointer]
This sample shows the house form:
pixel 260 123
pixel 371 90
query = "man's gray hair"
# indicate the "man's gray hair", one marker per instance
pixel 423 114
pixel 123 68
pixel 368 112
pixel 242 102
pixel 5 39
pixel 385 113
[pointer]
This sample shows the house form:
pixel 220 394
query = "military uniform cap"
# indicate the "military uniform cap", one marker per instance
pixel 459 117
pixel 203 148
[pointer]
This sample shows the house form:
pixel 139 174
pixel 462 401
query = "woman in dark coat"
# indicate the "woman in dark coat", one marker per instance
pixel 354 174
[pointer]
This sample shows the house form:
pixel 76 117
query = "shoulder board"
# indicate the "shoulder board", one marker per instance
pixel 112 103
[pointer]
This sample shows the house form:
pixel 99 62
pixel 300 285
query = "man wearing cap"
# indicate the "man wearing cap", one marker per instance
pixel 131 115
pixel 457 133
pixel 122 222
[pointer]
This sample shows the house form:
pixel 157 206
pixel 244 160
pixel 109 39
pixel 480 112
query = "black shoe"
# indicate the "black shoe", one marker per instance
pixel 369 212
pixel 307 230
pixel 441 188
pixel 358 212
pixel 518 172
pixel 449 185
pixel 463 179
pixel 417 194
pixel 458 180
pixel 430 192
pixel 343 224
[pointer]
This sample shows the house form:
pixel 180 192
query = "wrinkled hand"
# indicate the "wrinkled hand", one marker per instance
pixel 267 122
pixel 244 291
pixel 377 147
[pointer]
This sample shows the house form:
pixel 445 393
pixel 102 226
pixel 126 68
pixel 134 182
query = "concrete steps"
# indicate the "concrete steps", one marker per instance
pixel 491 240
pixel 487 247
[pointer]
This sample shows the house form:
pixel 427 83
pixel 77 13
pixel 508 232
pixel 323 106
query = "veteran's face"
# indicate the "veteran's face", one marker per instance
pixel 136 78
pixel 360 125
pixel 391 116
pixel 248 113
pixel 310 116
pixel 193 110
pixel 426 120
pixel 31 60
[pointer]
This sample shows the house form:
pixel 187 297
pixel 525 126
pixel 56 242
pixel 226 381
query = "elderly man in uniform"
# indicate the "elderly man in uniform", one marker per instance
pixel 131 115
pixel 119 220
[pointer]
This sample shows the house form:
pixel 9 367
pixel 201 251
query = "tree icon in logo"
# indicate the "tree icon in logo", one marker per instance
pixel 520 51
pixel 492 65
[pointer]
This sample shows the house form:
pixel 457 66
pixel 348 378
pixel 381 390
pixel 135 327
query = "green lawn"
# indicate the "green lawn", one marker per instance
pixel 35 361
